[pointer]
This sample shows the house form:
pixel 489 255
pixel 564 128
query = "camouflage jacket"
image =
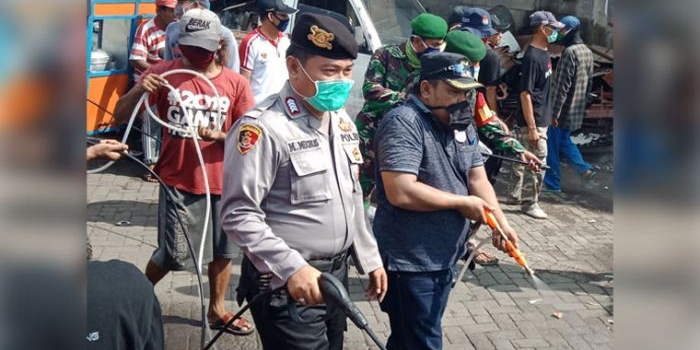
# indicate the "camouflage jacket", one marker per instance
pixel 384 87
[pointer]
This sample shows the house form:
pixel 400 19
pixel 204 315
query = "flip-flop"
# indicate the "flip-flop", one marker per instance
pixel 485 259
pixel 148 177
pixel 240 326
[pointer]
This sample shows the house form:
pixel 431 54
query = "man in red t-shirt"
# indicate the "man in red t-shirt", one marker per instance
pixel 179 167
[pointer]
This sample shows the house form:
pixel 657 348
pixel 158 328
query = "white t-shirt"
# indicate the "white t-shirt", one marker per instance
pixel 259 55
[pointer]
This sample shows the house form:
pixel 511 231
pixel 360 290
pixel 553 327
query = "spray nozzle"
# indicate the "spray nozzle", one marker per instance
pixel 512 250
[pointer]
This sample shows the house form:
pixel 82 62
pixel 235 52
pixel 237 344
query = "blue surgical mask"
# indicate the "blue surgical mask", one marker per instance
pixel 428 49
pixel 331 95
pixel 283 24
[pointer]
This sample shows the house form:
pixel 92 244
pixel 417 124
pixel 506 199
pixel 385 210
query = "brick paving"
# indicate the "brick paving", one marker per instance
pixel 495 307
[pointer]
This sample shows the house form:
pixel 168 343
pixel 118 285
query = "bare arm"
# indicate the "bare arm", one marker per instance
pixel 405 191
pixel 140 65
pixel 126 104
pixel 528 113
pixel 491 99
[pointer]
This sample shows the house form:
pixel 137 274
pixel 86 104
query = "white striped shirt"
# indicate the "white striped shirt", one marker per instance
pixel 149 44
pixel 266 62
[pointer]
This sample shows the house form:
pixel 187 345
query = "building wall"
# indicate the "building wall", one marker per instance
pixel 594 14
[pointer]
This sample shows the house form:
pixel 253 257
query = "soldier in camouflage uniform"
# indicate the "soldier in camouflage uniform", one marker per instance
pixel 385 82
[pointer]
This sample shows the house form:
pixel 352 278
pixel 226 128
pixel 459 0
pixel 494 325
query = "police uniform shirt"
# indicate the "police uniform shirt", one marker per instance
pixel 291 188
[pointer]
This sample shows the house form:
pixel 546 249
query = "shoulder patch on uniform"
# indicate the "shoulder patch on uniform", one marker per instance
pixel 292 105
pixel 248 136
pixel 344 125
pixel 357 155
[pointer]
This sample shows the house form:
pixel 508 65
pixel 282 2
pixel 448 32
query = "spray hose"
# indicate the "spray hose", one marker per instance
pixel 512 250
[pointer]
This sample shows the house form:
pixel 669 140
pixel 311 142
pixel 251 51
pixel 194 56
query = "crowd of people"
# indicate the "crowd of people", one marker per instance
pixel 291 176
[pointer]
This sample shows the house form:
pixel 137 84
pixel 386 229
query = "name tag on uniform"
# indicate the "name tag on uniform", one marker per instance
pixel 302 145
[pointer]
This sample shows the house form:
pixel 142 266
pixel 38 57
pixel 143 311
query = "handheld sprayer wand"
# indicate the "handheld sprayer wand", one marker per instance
pixel 512 250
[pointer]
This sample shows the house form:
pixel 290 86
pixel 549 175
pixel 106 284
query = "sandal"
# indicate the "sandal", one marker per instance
pixel 485 259
pixel 240 326
pixel 148 177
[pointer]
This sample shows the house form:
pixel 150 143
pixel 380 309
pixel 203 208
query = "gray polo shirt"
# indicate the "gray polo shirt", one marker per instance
pixel 410 140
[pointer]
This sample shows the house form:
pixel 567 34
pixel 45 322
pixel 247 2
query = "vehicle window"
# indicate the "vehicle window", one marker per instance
pixel 240 16
pixel 392 18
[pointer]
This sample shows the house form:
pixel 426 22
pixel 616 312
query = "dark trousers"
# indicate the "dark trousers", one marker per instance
pixel 276 328
pixel 415 302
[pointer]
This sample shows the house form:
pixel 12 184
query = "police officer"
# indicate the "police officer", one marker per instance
pixel 292 200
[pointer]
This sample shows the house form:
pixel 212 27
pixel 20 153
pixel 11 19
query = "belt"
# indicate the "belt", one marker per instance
pixel 330 264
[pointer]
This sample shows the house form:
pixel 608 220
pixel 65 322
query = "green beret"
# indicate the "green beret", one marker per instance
pixel 429 26
pixel 465 43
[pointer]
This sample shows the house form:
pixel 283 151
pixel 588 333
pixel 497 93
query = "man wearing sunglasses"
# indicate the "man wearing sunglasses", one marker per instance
pixel 385 82
pixel 432 183
pixel 535 113
pixel 262 51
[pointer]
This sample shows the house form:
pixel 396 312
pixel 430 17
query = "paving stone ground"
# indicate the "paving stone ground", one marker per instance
pixel 495 307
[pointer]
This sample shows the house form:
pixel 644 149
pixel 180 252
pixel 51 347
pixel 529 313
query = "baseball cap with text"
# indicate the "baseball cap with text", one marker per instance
pixel 477 21
pixel 201 28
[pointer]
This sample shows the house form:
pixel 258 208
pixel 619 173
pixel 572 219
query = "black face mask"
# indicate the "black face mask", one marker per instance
pixel 461 114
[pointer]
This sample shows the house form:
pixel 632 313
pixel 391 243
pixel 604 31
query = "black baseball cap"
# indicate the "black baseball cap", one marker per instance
pixel 452 68
pixel 265 6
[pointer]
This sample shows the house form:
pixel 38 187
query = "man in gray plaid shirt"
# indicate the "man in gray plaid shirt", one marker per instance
pixel 570 86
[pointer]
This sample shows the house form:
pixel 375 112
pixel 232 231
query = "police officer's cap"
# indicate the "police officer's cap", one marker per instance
pixel 452 68
pixel 323 36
